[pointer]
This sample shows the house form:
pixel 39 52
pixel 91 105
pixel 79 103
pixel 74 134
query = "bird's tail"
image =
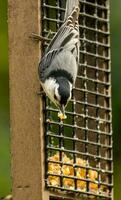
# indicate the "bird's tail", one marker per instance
pixel 70 6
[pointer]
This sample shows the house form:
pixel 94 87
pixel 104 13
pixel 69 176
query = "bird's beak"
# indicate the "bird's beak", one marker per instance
pixel 62 108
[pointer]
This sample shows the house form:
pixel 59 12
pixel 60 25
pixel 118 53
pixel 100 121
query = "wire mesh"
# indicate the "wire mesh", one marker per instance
pixel 79 150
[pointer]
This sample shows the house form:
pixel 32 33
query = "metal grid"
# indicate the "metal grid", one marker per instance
pixel 83 142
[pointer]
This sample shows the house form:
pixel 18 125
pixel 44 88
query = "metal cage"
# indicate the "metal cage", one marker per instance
pixel 78 152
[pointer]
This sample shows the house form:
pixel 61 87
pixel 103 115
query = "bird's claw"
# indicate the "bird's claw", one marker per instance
pixel 37 37
pixel 41 93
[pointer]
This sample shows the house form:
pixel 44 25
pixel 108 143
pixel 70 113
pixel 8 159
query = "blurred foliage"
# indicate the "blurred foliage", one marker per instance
pixel 5 182
pixel 116 92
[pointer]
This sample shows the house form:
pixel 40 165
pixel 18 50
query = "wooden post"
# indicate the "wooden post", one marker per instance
pixel 25 105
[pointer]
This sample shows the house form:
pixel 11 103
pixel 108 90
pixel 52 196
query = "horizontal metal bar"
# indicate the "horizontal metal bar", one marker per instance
pixel 105 33
pixel 84 116
pixel 81 13
pixel 78 140
pixel 94 5
pixel 92 92
pixel 96 157
pixel 86 180
pixel 52 20
pixel 53 7
pixel 92 105
pixel 106 58
pixel 95 68
pixel 93 80
pixel 80 128
pixel 96 42
pixel 107 109
pixel 97 6
pixel 63 196
pixel 99 170
pixel 84 14
pixel 87 193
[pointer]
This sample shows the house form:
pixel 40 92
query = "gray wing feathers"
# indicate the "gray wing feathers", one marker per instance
pixel 69 27
pixel 61 62
pixel 66 39
pixel 57 40
pixel 45 63
pixel 63 38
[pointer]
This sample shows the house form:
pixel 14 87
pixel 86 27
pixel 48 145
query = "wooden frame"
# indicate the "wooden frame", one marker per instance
pixel 25 105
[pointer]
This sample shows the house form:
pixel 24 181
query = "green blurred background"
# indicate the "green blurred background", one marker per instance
pixel 4 104
pixel 5 182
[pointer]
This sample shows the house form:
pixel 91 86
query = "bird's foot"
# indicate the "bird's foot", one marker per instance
pixel 41 93
pixel 37 37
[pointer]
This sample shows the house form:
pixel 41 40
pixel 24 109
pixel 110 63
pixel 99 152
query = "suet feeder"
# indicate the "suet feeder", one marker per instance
pixel 54 160
pixel 78 151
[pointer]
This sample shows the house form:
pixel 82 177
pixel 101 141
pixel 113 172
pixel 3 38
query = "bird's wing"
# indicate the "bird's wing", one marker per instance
pixel 67 38
pixel 46 62
pixel 67 33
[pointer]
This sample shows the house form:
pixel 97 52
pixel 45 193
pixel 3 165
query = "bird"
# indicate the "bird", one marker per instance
pixel 58 67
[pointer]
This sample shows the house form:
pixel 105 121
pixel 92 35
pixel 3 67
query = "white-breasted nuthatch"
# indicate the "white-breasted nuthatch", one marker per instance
pixel 58 67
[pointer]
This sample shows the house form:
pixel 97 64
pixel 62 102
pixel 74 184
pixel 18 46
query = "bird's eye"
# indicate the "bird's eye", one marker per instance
pixel 55 97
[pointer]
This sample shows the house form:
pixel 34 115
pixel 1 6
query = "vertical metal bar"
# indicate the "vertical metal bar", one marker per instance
pixel 85 92
pixel 74 147
pixel 97 98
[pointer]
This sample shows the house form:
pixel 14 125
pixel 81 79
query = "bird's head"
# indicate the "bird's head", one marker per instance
pixel 62 93
pixel 59 91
